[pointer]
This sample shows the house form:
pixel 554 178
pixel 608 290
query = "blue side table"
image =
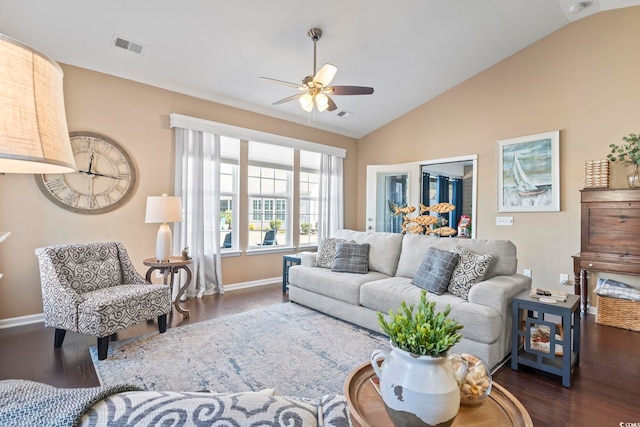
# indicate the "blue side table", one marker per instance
pixel 530 329
pixel 287 262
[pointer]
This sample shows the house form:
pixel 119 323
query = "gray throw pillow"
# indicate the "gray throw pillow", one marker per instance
pixel 327 252
pixel 435 270
pixel 351 258
pixel 470 270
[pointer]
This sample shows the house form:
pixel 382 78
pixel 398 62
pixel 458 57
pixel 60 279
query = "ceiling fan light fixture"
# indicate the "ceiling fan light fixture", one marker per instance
pixel 306 102
pixel 317 86
pixel 322 102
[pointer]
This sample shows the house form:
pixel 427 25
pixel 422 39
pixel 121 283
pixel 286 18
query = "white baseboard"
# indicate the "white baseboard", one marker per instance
pixel 22 320
pixel 252 284
pixel 38 318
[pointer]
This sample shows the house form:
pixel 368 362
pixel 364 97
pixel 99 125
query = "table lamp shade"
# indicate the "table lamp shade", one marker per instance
pixel 163 209
pixel 34 137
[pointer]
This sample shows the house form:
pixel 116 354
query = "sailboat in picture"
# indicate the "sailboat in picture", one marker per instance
pixel 523 183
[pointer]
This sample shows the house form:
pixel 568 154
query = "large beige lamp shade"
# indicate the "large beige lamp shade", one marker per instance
pixel 163 209
pixel 34 137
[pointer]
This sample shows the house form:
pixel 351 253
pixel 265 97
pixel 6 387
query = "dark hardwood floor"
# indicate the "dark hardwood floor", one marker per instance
pixel 602 393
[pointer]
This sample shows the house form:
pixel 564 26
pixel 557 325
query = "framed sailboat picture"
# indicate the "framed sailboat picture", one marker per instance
pixel 528 173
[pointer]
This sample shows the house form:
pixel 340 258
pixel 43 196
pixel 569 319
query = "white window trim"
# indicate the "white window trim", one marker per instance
pixel 193 123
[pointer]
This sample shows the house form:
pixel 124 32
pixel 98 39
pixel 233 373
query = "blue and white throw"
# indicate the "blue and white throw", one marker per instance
pixel 615 289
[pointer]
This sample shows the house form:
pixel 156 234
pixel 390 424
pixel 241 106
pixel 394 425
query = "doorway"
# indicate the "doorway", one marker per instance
pixel 402 184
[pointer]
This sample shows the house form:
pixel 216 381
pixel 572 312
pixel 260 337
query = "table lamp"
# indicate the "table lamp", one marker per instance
pixel 163 209
pixel 34 137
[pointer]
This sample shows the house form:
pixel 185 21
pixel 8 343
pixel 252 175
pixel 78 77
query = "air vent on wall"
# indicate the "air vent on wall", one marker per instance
pixel 344 114
pixel 131 46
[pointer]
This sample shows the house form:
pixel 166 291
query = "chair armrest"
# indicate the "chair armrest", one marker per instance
pixel 307 259
pixel 498 291
pixel 130 275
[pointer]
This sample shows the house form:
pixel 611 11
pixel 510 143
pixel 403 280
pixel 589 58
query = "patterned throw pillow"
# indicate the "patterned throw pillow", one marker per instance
pixel 470 270
pixel 351 258
pixel 327 252
pixel 435 270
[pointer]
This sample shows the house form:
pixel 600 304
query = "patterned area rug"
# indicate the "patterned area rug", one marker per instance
pixel 292 349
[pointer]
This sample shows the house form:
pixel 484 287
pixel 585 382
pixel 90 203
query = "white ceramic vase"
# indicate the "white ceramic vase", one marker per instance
pixel 417 390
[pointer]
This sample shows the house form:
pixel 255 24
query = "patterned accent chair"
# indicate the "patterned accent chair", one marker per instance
pixel 94 289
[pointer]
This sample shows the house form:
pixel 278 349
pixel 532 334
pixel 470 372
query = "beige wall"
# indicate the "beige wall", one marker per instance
pixel 583 80
pixel 136 116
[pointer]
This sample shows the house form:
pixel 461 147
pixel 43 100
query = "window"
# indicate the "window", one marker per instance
pixel 309 178
pixel 268 176
pixel 229 179
pixel 269 190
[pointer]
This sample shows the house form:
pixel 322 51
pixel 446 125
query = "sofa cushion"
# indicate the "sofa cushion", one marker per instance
pixel 327 252
pixel 435 270
pixel 415 246
pixel 470 270
pixel 341 286
pixel 480 323
pixel 384 251
pixel 351 258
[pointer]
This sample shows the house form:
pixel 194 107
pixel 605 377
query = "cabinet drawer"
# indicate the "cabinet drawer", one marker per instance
pixel 608 266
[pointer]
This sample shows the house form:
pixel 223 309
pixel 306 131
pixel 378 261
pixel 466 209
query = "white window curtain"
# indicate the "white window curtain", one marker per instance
pixel 198 184
pixel 331 196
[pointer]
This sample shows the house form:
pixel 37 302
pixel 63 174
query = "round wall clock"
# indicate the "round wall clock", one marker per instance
pixel 105 178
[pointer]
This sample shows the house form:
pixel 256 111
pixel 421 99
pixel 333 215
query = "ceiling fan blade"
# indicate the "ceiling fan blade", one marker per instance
pixel 351 90
pixel 325 75
pixel 288 98
pixel 332 105
pixel 281 82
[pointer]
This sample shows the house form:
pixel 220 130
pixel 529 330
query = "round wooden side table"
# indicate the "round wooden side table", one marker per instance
pixel 366 409
pixel 168 269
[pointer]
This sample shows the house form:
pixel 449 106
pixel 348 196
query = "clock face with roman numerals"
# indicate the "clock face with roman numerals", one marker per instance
pixel 105 178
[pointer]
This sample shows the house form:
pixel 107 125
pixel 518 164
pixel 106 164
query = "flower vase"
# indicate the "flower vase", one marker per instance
pixel 429 396
pixel 633 179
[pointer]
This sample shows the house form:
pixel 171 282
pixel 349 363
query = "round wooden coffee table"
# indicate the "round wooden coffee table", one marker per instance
pixel 367 410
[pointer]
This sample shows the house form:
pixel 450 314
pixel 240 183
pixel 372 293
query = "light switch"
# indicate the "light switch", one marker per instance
pixel 504 220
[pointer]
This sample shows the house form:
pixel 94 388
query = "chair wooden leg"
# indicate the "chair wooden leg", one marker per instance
pixel 162 323
pixel 103 347
pixel 59 337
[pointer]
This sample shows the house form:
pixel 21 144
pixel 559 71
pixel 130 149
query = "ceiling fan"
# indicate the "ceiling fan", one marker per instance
pixel 315 89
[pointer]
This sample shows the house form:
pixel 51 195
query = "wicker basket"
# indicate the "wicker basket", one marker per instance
pixel 621 313
pixel 596 174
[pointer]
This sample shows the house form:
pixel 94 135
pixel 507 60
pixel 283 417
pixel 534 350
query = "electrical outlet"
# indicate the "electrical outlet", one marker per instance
pixel 527 272
pixel 159 274
pixel 564 279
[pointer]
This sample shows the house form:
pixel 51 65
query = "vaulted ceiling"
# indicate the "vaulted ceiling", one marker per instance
pixel 409 50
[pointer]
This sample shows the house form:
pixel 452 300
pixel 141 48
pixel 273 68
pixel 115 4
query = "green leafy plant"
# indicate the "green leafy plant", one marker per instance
pixel 425 332
pixel 305 228
pixel 226 215
pixel 627 153
pixel 275 224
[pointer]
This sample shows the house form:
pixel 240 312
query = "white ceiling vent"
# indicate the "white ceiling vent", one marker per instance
pixel 344 114
pixel 130 45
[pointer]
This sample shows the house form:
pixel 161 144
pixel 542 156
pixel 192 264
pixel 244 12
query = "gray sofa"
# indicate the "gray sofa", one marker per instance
pixel 393 261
